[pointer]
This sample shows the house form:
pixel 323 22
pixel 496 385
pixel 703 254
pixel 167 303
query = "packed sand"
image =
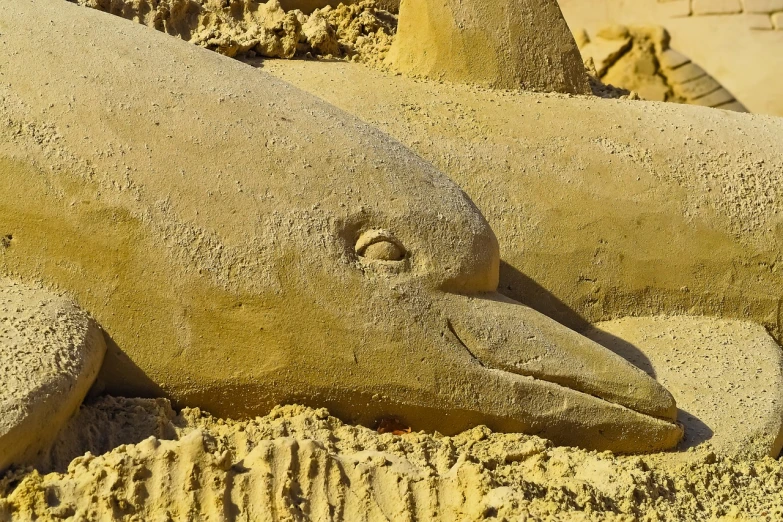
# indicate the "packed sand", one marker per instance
pixel 50 353
pixel 727 377
pixel 148 462
pixel 302 464
pixel 639 59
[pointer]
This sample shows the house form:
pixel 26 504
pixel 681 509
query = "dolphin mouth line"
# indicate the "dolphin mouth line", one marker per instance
pixel 464 345
pixel 450 326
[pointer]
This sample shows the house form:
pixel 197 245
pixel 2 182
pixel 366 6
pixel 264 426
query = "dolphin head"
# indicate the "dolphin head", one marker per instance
pixel 389 286
pixel 246 244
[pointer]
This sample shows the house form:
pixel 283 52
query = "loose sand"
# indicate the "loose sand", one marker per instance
pixel 301 464
pixel 359 32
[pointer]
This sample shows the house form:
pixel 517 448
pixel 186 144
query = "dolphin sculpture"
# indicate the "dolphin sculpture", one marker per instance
pixel 245 244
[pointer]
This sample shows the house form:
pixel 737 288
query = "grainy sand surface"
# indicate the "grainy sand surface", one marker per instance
pixel 302 464
pixel 135 459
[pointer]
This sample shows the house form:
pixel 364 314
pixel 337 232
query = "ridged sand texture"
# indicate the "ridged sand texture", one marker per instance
pixel 299 464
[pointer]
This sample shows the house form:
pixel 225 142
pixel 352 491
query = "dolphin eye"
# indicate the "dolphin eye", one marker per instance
pixel 379 245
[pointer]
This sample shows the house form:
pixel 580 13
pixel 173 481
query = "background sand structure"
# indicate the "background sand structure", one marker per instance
pixel 739 43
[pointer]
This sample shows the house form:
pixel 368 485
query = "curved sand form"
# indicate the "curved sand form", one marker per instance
pixel 246 244
pixel 506 44
pixel 602 208
pixel 301 464
pixel 727 377
pixel 50 354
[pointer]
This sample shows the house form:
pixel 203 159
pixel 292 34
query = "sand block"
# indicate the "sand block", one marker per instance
pixel 712 7
pixel 763 6
pixel 605 52
pixel 499 45
pixel 50 353
pixel 761 22
pixel 726 376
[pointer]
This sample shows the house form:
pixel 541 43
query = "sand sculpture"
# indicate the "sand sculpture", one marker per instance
pixel 600 225
pixel 494 44
pixel 737 410
pixel 51 353
pixel 737 42
pixel 641 60
pixel 131 242
pixel 243 253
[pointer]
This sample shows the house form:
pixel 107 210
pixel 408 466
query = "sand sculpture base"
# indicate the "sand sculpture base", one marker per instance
pixel 727 377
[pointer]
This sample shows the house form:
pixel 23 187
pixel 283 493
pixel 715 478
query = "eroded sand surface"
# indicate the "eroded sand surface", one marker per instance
pixel 301 464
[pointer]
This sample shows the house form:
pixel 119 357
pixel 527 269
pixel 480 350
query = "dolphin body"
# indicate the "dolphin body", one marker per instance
pixel 245 244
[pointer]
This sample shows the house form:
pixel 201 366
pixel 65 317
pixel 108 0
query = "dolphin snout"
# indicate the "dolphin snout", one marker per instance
pixel 506 335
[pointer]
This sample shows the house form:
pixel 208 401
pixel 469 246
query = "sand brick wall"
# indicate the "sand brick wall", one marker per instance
pixel 760 14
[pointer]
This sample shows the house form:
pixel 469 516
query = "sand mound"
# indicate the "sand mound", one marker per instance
pixel 301 464
pixel 50 353
pixel 138 459
pixel 246 28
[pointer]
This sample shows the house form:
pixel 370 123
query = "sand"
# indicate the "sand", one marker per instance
pixel 727 377
pixel 299 463
pixel 302 464
pixel 741 50
pixel 359 32
pixel 640 59
pixel 50 354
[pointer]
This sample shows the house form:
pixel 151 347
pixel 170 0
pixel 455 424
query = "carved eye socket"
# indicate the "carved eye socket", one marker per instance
pixel 379 245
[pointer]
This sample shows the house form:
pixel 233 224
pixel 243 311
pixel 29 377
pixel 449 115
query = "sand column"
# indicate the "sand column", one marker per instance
pixel 506 44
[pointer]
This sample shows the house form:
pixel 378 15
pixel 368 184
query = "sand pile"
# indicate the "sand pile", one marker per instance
pixel 302 464
pixel 246 28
